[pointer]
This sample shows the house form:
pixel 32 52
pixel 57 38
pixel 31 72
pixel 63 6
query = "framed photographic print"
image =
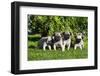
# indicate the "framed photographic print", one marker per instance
pixel 52 37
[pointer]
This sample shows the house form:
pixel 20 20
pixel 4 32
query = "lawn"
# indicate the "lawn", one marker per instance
pixel 34 53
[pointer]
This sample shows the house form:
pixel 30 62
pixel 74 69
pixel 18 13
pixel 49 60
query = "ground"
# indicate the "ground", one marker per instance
pixel 38 54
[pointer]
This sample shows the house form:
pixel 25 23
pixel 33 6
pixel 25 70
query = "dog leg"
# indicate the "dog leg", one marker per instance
pixel 44 46
pixel 82 44
pixel 75 47
pixel 63 47
pixel 68 47
pixel 81 47
pixel 54 46
pixel 49 47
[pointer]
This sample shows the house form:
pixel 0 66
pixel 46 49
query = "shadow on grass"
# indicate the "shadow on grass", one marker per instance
pixel 33 47
pixel 33 38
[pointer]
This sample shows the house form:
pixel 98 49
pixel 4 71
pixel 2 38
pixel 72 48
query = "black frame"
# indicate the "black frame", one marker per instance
pixel 15 35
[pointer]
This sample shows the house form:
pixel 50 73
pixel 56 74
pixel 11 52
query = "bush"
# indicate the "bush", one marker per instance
pixel 47 25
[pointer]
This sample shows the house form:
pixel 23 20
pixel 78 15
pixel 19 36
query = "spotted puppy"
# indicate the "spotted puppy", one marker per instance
pixel 45 42
pixel 67 40
pixel 57 41
pixel 79 41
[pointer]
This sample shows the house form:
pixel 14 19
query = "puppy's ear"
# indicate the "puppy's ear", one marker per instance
pixel 70 33
pixel 63 33
pixel 75 36
pixel 82 36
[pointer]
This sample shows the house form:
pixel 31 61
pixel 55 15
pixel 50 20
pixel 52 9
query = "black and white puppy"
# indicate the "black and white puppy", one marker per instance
pixel 57 41
pixel 45 42
pixel 79 41
pixel 67 40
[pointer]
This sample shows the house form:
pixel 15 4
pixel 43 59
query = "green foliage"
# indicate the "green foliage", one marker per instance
pixel 47 25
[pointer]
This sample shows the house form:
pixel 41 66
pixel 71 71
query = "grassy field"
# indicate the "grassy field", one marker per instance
pixel 38 54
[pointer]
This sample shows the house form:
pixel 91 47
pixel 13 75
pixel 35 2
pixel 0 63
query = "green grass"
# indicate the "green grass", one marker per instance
pixel 38 54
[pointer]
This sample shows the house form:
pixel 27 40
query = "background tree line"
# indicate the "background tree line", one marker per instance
pixel 47 25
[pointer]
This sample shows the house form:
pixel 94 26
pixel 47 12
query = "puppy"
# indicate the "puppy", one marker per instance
pixel 57 41
pixel 45 42
pixel 67 40
pixel 79 41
